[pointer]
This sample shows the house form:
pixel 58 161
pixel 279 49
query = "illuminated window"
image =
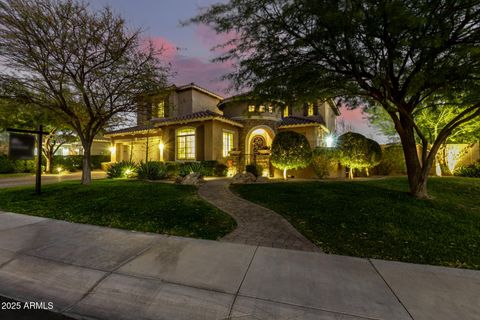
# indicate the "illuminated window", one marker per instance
pixel 285 112
pixel 251 108
pixel 310 109
pixel 270 109
pixel 227 142
pixel 261 108
pixel 161 109
pixel 186 144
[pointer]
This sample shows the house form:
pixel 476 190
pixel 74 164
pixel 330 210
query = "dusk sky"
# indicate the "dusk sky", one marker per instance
pixel 188 49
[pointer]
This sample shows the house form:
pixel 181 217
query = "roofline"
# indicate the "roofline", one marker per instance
pixel 124 133
pixel 198 88
pixel 304 125
pixel 219 118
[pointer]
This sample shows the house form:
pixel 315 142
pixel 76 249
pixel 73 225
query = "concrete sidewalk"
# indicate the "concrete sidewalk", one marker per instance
pixel 91 272
pixel 47 179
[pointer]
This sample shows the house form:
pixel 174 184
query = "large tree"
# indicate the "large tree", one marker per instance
pixel 430 119
pixel 391 53
pixel 85 66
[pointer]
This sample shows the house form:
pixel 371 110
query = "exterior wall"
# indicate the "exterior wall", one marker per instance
pixel 216 141
pixel 239 111
pixel 202 101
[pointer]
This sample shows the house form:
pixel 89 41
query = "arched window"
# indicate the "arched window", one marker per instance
pixel 186 144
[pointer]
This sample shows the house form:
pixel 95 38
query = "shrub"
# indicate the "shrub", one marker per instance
pixel 152 170
pixel 6 165
pixel 122 169
pixel 190 167
pixel 393 161
pixel 75 162
pixel 27 165
pixel 470 171
pixel 173 169
pixel 290 150
pixel 209 167
pixel 254 169
pixel 324 160
pixel 220 170
pixel 355 151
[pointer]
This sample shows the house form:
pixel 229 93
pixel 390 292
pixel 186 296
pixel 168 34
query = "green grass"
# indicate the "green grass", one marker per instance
pixel 134 205
pixel 378 219
pixel 14 175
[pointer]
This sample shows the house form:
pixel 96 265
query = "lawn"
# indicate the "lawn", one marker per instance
pixel 378 219
pixel 134 205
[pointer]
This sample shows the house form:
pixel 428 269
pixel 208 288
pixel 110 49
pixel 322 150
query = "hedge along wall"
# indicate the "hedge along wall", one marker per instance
pixel 74 163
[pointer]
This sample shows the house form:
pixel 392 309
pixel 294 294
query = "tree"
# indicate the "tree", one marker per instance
pixel 30 117
pixel 86 67
pixel 356 151
pixel 290 150
pixel 394 54
pixel 430 119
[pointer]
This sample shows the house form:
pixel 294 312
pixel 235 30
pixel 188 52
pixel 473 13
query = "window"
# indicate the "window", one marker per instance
pixel 310 109
pixel 285 112
pixel 251 108
pixel 270 109
pixel 227 143
pixel 161 109
pixel 186 144
pixel 261 108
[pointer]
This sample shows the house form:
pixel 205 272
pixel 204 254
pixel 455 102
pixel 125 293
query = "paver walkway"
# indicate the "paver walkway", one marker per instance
pixel 257 225
pixel 91 272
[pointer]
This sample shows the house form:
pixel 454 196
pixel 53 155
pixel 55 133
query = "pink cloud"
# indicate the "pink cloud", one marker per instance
pixel 167 48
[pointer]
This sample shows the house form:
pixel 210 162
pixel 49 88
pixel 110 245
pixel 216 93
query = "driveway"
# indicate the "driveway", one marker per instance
pixel 101 273
pixel 46 179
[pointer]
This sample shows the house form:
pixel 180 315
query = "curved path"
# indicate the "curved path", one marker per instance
pixel 256 225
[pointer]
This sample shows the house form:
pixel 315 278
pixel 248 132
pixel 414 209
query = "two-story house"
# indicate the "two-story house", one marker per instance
pixel 190 123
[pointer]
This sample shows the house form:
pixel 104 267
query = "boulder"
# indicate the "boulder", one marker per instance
pixel 243 178
pixel 193 179
pixel 262 180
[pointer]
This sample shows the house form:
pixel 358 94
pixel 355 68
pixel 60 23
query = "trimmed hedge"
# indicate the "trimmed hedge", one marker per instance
pixel 12 166
pixel 75 163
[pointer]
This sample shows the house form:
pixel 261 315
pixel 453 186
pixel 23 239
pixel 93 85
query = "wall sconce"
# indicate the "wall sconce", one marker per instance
pixel 329 141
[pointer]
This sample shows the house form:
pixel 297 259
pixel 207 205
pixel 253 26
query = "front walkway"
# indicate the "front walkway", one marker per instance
pixel 257 225
pixel 91 272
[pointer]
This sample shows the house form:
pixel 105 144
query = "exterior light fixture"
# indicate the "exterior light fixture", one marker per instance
pixel 161 146
pixel 329 141
pixel 112 149
pixel 59 169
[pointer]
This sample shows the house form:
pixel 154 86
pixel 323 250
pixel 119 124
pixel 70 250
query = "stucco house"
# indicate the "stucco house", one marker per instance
pixel 190 123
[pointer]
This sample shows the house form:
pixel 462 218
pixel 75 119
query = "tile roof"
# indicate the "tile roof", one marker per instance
pixel 159 122
pixel 299 121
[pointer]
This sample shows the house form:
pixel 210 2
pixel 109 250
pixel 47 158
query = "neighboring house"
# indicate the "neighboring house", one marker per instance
pixel 190 123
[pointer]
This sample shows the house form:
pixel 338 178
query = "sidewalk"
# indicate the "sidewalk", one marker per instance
pixel 102 273
pixel 46 179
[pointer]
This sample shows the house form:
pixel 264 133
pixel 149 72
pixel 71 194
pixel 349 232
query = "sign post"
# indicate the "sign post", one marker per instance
pixel 21 147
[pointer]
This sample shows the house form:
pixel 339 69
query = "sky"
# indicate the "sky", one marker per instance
pixel 188 48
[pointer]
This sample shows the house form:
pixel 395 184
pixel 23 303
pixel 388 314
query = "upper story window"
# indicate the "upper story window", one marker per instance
pixel 286 111
pixel 160 110
pixel 227 143
pixel 251 108
pixel 186 144
pixel 261 108
pixel 310 109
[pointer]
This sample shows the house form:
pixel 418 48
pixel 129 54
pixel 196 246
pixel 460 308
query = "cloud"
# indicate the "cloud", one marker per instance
pixel 211 39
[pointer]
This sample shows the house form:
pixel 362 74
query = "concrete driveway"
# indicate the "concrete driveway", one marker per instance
pixel 46 179
pixel 101 273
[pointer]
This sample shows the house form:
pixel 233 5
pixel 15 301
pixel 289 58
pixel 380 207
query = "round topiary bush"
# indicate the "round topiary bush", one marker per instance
pixel 324 160
pixel 290 150
pixel 356 151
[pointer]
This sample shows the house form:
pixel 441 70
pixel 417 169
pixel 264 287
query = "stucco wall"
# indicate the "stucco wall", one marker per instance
pixel 202 101
pixel 239 111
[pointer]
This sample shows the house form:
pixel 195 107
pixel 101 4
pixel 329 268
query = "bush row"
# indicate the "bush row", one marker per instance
pixel 471 170
pixel 155 170
pixel 12 166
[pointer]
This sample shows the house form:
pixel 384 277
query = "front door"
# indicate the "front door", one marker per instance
pixel 258 142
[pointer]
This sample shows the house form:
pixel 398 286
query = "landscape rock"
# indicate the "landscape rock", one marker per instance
pixel 262 180
pixel 243 178
pixel 193 179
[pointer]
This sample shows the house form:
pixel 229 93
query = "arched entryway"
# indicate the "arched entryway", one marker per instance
pixel 257 139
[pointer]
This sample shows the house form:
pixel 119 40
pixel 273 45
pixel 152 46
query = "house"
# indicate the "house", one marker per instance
pixel 190 123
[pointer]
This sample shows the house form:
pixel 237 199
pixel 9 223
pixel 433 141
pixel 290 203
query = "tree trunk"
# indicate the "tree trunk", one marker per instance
pixel 48 163
pixel 86 169
pixel 367 172
pixel 350 173
pixel 285 174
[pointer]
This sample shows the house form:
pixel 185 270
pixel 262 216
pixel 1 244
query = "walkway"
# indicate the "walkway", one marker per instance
pixel 257 225
pixel 47 179
pixel 91 272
